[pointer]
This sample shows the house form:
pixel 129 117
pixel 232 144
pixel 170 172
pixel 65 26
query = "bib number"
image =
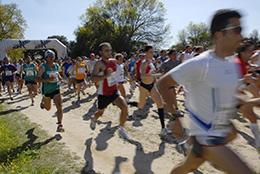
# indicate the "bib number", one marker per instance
pixel 111 80
pixel 30 73
pixel 8 73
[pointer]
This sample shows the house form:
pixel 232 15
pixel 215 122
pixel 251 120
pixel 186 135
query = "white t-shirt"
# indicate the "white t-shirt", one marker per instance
pixel 91 64
pixel 120 73
pixel 18 67
pixel 187 56
pixel 211 84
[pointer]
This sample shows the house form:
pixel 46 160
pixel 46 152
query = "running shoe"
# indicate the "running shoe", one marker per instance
pixel 60 128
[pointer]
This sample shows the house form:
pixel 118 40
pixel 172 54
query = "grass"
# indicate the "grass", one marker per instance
pixel 26 149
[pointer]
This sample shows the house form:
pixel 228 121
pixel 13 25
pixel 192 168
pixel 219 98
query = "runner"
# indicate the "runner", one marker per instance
pixel 148 88
pixel 138 67
pixel 163 56
pixel 80 69
pixel 19 76
pixel 168 65
pixel 72 74
pixel 104 75
pixel 31 72
pixel 131 65
pixel 245 51
pixel 120 74
pixel 256 56
pixel 186 55
pixel 65 67
pixel 211 81
pixel 8 71
pixel 91 63
pixel 50 77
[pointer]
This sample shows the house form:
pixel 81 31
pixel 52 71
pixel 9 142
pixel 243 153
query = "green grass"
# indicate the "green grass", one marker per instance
pixel 26 149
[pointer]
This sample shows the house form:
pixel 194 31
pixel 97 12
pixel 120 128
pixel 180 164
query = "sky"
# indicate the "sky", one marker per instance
pixel 61 17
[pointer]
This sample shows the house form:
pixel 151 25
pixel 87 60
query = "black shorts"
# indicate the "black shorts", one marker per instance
pixel 149 87
pixel 8 79
pixel 121 82
pixel 104 101
pixel 52 94
pixel 80 81
pixel 210 141
pixel 18 76
pixel 27 82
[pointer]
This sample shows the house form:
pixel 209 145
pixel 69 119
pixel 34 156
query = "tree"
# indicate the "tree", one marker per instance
pixel 61 38
pixel 123 23
pixel 254 36
pixel 12 23
pixel 194 34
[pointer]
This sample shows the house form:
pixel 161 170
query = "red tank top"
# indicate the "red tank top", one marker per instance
pixel 242 65
pixel 108 86
pixel 138 67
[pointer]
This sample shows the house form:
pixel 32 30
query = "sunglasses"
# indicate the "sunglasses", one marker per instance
pixel 236 29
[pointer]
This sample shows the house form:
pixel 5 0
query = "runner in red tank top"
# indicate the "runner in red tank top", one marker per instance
pixel 245 52
pixel 104 74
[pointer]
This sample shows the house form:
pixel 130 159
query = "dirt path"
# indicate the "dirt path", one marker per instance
pixel 106 153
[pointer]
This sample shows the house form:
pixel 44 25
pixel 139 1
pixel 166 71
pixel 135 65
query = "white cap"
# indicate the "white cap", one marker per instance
pixel 49 53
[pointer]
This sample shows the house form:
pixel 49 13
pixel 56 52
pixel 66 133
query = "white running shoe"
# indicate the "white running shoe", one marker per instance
pixel 122 133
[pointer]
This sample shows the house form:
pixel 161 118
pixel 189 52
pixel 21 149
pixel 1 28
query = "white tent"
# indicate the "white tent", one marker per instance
pixel 54 44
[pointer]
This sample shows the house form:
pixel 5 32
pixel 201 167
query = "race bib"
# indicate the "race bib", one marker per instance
pixel 30 73
pixel 8 73
pixel 54 76
pixel 81 70
pixel 111 80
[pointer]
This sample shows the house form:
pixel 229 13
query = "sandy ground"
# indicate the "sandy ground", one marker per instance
pixel 102 151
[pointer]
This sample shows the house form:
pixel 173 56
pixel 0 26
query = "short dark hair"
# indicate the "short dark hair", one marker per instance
pixel 162 51
pixel 188 46
pixel 197 48
pixel 221 19
pixel 104 44
pixel 172 51
pixel 147 48
pixel 244 45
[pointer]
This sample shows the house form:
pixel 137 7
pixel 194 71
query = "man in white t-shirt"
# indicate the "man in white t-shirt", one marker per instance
pixel 90 64
pixel 186 55
pixel 120 74
pixel 211 81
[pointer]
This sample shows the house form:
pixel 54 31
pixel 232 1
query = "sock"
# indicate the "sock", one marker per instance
pixel 161 116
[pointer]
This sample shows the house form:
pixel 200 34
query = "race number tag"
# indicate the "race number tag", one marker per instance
pixel 111 80
pixel 30 73
pixel 8 73
pixel 82 70
pixel 54 76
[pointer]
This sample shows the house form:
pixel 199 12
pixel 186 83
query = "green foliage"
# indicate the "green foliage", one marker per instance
pixel 254 36
pixel 123 23
pixel 195 35
pixel 12 23
pixel 15 54
pixel 24 148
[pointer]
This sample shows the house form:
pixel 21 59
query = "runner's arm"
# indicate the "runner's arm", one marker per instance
pixel 39 77
pixel 95 74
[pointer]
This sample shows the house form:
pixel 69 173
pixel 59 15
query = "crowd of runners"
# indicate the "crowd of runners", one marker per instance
pixel 218 84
